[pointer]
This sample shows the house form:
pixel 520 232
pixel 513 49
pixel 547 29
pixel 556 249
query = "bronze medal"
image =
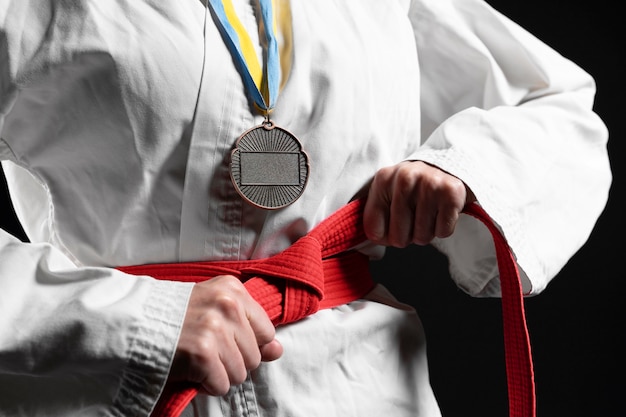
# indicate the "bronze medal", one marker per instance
pixel 268 167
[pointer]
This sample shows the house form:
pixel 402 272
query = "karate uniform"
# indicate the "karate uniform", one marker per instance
pixel 117 121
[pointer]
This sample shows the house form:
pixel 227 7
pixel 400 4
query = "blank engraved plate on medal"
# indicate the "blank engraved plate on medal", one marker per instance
pixel 268 167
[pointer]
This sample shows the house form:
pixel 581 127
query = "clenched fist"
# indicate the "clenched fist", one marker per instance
pixel 225 334
pixel 413 202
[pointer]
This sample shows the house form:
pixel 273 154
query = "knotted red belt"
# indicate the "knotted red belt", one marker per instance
pixel 321 270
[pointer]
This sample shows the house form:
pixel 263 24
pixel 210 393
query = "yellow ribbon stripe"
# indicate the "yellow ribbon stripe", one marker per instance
pixel 245 43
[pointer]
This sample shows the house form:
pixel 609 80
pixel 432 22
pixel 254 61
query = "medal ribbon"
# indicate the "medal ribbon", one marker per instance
pixel 276 27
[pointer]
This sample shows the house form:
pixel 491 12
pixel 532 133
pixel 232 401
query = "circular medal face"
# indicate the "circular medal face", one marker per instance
pixel 268 167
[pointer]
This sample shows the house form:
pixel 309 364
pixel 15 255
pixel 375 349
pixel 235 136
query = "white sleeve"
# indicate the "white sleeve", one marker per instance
pixel 513 119
pixel 74 340
pixel 82 341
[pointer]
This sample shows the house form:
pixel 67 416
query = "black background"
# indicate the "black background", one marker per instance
pixel 576 325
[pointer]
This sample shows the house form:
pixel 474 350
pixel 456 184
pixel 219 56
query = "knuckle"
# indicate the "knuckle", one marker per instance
pixel 265 335
pixel 205 343
pixel 231 282
pixel 449 185
pixel 404 179
pixel 228 305
pixel 385 172
pixel 213 329
pixel 383 176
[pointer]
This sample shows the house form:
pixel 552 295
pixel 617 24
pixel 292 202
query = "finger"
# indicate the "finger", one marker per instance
pixel 425 219
pixel 401 218
pixel 446 221
pixel 216 379
pixel 248 347
pixel 260 324
pixel 376 212
pixel 262 346
pixel 237 360
pixel 220 359
pixel 454 197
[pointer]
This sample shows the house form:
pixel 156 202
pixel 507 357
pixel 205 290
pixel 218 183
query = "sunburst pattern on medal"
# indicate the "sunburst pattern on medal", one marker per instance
pixel 269 139
pixel 261 139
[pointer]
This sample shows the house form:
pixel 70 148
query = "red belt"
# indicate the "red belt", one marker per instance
pixel 321 271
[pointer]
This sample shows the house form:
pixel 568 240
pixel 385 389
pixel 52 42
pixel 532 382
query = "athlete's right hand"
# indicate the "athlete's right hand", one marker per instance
pixel 225 334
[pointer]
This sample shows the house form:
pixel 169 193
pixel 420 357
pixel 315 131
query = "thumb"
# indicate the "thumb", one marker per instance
pixel 271 351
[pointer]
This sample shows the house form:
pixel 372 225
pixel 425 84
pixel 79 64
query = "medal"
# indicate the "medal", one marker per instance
pixel 268 168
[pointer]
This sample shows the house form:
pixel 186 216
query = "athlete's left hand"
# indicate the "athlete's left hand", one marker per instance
pixel 413 202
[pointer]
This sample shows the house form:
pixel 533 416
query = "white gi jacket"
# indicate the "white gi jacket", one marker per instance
pixel 115 156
